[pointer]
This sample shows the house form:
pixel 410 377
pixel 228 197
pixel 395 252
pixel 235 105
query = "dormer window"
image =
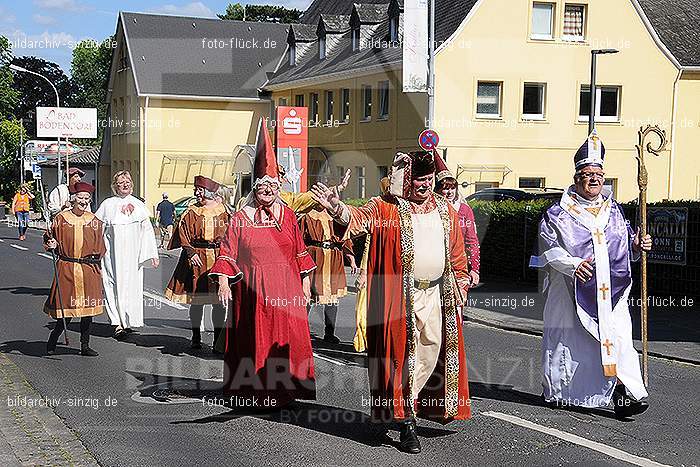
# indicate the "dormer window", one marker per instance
pixel 322 47
pixel 292 55
pixel 394 29
pixel 355 39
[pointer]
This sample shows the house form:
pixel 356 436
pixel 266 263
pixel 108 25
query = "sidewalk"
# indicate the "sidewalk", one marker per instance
pixel 674 332
pixel 30 431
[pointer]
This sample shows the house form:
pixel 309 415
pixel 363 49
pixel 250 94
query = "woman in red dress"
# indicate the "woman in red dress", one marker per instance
pixel 262 270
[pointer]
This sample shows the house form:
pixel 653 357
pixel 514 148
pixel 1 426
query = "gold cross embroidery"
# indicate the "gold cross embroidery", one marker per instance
pixel 597 235
pixel 604 289
pixel 572 208
pixel 594 140
pixel 607 344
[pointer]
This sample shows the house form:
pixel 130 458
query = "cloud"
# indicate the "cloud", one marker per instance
pixel 64 5
pixel 6 16
pixel 191 9
pixel 45 20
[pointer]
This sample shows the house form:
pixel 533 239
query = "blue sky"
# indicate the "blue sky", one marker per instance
pixel 49 28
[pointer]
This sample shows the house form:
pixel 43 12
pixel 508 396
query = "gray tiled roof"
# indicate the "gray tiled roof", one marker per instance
pixel 177 55
pixel 449 15
pixel 677 22
pixel 369 13
pixel 304 32
pixel 335 23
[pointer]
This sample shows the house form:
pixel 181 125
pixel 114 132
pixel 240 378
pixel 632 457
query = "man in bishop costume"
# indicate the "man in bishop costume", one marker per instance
pixel 586 247
pixel 416 278
pixel 131 246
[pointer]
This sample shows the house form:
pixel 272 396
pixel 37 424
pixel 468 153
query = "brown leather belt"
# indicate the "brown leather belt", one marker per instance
pixel 204 244
pixel 425 284
pixel 90 259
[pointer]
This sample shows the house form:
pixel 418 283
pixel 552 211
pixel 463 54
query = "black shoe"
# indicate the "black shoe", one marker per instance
pixel 625 406
pixel 331 339
pixel 50 349
pixel 408 439
pixel 86 351
pixel 129 331
pixel 120 335
pixel 196 343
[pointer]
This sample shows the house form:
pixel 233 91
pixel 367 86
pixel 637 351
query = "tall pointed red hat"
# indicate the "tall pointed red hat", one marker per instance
pixel 441 170
pixel 265 167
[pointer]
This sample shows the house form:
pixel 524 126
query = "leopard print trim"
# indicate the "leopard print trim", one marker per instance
pixel 407 252
pixel 450 321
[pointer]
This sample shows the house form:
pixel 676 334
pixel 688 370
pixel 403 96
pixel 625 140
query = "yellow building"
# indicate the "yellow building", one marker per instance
pixel 511 96
pixel 184 100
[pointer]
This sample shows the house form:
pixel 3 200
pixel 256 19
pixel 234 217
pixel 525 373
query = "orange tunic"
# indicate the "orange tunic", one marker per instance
pixel 199 232
pixel 391 323
pixel 78 237
pixel 328 281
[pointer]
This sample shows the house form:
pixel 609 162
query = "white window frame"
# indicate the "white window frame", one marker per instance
pixel 361 181
pixel 345 105
pixel 383 93
pixel 598 118
pixel 366 88
pixel 292 55
pixel 543 102
pixel 552 22
pixel 330 103
pixel 394 28
pixel 500 100
pixel 313 106
pixel 570 38
pixel 322 47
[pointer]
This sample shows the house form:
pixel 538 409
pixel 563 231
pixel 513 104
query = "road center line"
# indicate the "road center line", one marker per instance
pixel 335 362
pixel 571 438
pixel 164 300
pixel 23 248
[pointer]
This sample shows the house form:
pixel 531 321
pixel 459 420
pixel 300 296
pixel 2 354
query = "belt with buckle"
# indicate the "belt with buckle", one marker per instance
pixel 326 244
pixel 426 284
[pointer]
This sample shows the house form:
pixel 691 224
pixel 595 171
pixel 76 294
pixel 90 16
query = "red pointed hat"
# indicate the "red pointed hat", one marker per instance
pixel 265 167
pixel 441 170
pixel 206 183
pixel 82 187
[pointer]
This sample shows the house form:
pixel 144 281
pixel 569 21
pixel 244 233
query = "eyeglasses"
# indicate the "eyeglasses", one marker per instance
pixel 588 175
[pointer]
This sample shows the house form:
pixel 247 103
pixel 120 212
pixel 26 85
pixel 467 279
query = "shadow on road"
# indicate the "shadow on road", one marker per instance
pixel 36 348
pixel 507 393
pixel 38 291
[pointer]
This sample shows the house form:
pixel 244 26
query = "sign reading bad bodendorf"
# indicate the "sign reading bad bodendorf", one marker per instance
pixel 669 229
pixel 66 122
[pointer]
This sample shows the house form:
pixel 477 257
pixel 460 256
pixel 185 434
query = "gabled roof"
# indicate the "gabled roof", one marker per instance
pixel 369 13
pixel 184 56
pixel 677 24
pixel 334 23
pixel 303 32
pixel 330 7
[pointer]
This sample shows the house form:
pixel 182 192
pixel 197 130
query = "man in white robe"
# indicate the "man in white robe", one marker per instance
pixel 131 245
pixel 586 246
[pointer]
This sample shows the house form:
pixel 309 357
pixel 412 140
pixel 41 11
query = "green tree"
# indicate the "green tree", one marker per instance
pixel 90 67
pixel 261 13
pixel 11 130
pixel 36 92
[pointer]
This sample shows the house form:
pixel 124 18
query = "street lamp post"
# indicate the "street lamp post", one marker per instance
pixel 58 104
pixel 594 56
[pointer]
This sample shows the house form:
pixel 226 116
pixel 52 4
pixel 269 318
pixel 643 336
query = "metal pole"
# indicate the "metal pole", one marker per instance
pixel 591 112
pixel 431 65
pixel 21 152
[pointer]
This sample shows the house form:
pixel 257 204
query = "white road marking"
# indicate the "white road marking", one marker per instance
pixel 2 241
pixel 23 248
pixel 45 255
pixel 335 362
pixel 164 300
pixel 600 447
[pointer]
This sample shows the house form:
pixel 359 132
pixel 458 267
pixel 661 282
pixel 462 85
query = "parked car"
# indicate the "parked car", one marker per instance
pixel 182 204
pixel 516 194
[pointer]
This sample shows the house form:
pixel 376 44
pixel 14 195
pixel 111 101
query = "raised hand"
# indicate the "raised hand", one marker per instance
pixel 325 196
pixel 344 183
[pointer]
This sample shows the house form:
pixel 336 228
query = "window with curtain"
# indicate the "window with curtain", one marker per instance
pixel 384 99
pixel 574 17
pixel 366 102
pixel 542 21
pixel 488 99
pixel 345 114
pixel 329 107
pixel 313 97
